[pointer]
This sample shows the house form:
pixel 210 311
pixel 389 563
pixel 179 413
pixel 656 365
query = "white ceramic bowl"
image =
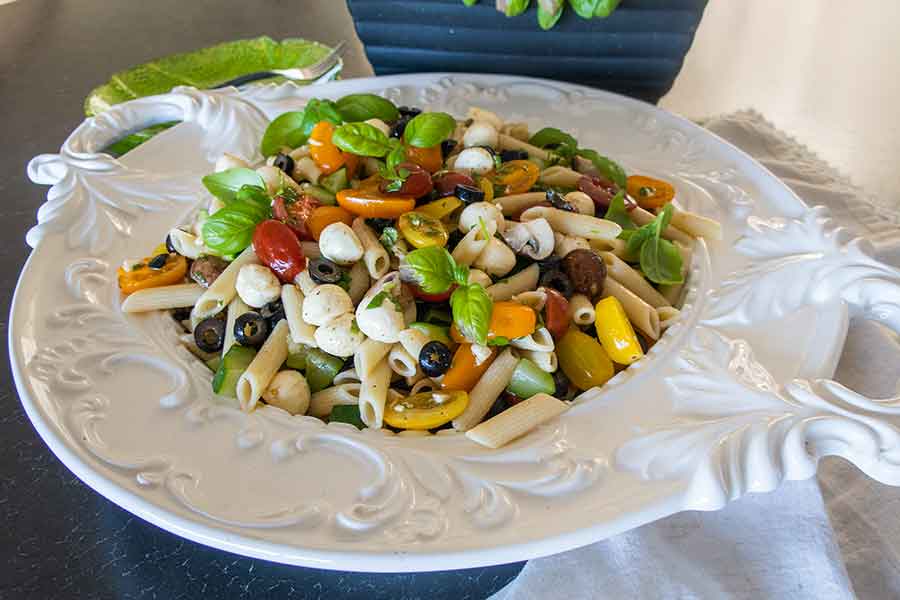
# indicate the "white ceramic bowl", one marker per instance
pixel 733 399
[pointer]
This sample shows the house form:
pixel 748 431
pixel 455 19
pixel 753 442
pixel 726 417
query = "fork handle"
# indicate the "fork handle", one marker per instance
pixel 244 79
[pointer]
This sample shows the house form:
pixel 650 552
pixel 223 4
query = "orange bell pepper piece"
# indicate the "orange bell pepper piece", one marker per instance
pixel 463 374
pixel 323 216
pixel 511 320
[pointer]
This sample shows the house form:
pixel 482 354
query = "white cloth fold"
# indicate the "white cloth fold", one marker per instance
pixel 799 541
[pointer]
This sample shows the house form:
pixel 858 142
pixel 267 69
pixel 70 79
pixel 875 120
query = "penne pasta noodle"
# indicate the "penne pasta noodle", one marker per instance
pixel 517 420
pixel 523 281
pixel 567 243
pixel 540 340
pixel 292 302
pixel 235 309
pixel 219 294
pixel 424 385
pixel 305 283
pixel 535 299
pixel 187 340
pixel 165 297
pixel 546 361
pixel 253 382
pixel 622 272
pixel 373 394
pixel 507 142
pixel 672 293
pixel 642 217
pixel 346 376
pixel 516 203
pixel 470 247
pixel 581 310
pixel 560 176
pixel 615 246
pixel 311 250
pixel 668 315
pixel 643 316
pixel 321 403
pixel 574 224
pixel 359 281
pixel 375 256
pixel 696 225
pixel 367 356
pixel 402 362
pixel 487 390
pixel 481 114
pixel 413 340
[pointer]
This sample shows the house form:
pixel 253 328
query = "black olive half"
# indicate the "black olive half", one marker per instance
pixel 434 358
pixel 251 329
pixel 209 334
pixel 322 270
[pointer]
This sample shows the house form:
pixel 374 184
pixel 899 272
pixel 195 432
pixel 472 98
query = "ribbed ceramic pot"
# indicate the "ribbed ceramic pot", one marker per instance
pixel 637 51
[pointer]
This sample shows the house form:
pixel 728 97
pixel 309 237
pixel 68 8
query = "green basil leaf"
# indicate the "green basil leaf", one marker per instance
pixel 378 299
pixel 361 139
pixel 429 129
pixel 551 136
pixel 661 261
pixel 431 268
pixel 471 308
pixel 515 8
pixel 252 194
pixel 362 107
pixel 461 274
pixel 605 8
pixel 470 2
pixel 663 219
pixel 285 130
pixel 584 8
pixel 607 167
pixel 618 214
pixel 315 112
pixel 230 229
pixel 225 184
pixel 549 15
pixel 346 413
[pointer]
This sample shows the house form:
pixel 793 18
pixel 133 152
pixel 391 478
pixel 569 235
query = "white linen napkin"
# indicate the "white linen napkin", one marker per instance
pixel 771 545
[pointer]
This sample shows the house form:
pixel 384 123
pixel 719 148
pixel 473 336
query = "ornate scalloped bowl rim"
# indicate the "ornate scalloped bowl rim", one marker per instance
pixel 422 559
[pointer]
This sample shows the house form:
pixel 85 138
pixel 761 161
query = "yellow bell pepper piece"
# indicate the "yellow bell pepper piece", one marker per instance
pixel 615 332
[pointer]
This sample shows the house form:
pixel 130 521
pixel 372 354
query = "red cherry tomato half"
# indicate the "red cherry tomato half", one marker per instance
pixel 417 292
pixel 600 190
pixel 417 183
pixel 295 213
pixel 446 183
pixel 556 314
pixel 278 248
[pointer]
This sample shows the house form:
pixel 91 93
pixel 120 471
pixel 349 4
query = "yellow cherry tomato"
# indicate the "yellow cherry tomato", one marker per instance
pixel 324 153
pixel 615 332
pixel 422 231
pixel 583 360
pixel 440 208
pixel 649 193
pixel 463 373
pixel 144 276
pixel 487 187
pixel 516 176
pixel 426 410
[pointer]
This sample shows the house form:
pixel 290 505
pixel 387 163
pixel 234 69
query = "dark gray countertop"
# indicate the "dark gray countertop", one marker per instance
pixel 60 538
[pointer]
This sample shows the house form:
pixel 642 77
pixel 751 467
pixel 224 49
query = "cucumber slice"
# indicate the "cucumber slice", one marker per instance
pixel 324 197
pixel 297 359
pixel 231 368
pixel 435 332
pixel 213 363
pixel 335 182
pixel 321 368
pixel 437 316
pixel 346 413
pixel 529 379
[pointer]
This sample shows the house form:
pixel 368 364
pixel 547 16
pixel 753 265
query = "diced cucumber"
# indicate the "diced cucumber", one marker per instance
pixel 321 368
pixel 297 358
pixel 230 369
pixel 335 182
pixel 346 413
pixel 437 316
pixel 529 379
pixel 319 193
pixel 435 332
pixel 213 363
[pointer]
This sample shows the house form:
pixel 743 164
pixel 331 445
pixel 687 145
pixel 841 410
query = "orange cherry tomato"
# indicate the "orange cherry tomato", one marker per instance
pixel 511 320
pixel 649 193
pixel 556 314
pixel 351 163
pixel 374 204
pixel 516 176
pixel 144 276
pixel 324 216
pixel 463 374
pixel 430 159
pixel 326 155
pixel 372 183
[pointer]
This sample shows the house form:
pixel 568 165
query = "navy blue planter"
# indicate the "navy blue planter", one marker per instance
pixel 637 51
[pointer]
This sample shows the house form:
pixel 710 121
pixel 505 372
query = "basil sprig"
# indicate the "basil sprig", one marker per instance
pixel 549 12
pixel 361 139
pixel 292 129
pixel 428 129
pixel 391 171
pixel 659 258
pixel 515 8
pixel 434 271
pixel 617 213
pixel 362 107
pixel 566 148
pixel 225 184
pixel 230 229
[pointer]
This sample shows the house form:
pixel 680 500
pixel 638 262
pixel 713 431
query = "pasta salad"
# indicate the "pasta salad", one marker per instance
pixel 394 268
